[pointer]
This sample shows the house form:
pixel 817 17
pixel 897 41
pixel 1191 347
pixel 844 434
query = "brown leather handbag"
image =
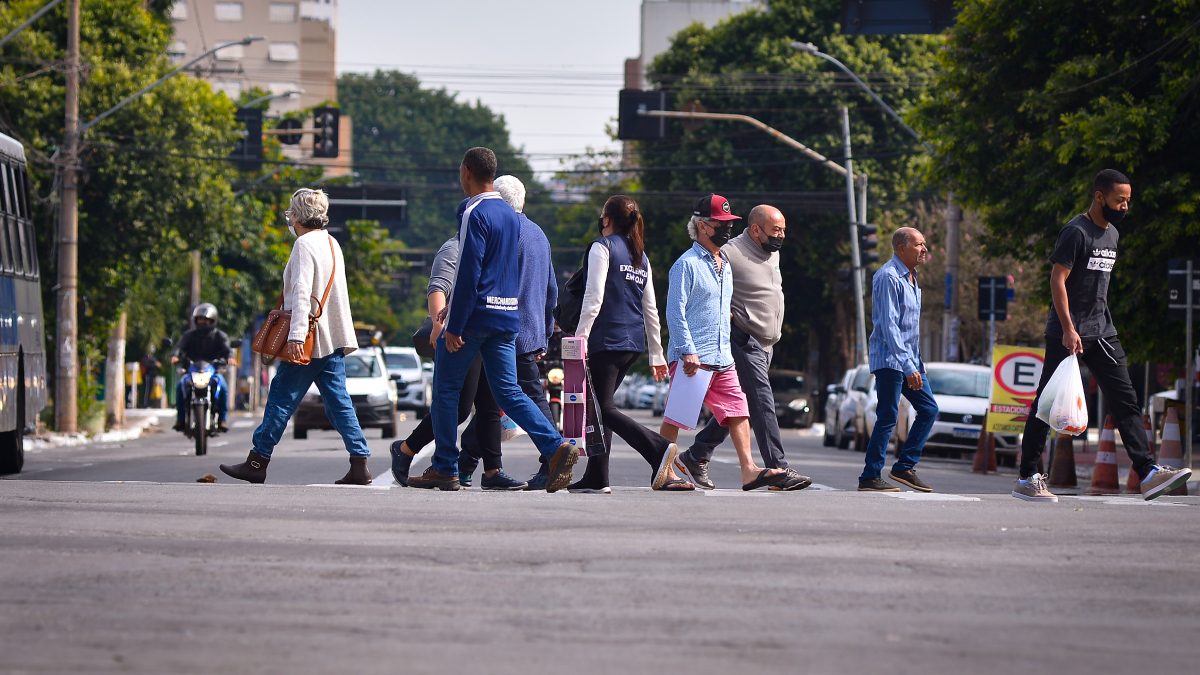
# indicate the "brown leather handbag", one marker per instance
pixel 273 336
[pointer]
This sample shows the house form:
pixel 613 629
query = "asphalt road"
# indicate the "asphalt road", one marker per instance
pixel 174 576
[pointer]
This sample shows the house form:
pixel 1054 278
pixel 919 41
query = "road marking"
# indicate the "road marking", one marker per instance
pixel 930 497
pixel 360 487
pixel 241 424
pixel 1121 501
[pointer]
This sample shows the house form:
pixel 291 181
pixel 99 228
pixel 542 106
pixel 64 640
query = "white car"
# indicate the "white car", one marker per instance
pixel 371 390
pixel 414 382
pixel 962 392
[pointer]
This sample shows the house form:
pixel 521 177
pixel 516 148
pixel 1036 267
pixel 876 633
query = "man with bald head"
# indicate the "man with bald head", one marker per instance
pixel 757 323
pixel 895 361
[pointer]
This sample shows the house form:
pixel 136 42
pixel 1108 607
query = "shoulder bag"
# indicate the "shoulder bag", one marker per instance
pixel 273 335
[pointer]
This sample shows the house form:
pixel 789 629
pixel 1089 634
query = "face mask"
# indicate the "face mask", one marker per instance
pixel 600 225
pixel 1112 215
pixel 720 234
pixel 292 230
pixel 773 244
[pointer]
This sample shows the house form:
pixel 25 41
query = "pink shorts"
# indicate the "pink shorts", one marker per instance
pixel 724 398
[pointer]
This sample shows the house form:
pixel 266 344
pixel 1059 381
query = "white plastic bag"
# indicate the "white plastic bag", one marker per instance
pixel 509 429
pixel 1062 404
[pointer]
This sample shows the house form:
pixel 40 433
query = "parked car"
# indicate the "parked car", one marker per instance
pixel 371 390
pixel 962 392
pixel 792 397
pixel 414 382
pixel 853 425
pixel 835 392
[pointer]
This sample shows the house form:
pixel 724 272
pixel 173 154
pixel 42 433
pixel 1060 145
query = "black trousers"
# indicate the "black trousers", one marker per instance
pixel 1105 358
pixel 481 438
pixel 529 379
pixel 608 369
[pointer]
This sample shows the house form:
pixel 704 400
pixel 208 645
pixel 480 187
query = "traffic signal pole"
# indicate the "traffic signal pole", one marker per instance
pixel 860 327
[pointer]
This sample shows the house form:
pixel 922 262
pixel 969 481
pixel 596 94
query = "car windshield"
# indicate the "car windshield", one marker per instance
pixel 860 379
pixel 960 382
pixel 787 384
pixel 361 366
pixel 402 360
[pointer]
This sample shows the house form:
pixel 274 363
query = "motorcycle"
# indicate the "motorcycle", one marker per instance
pixel 200 419
pixel 551 366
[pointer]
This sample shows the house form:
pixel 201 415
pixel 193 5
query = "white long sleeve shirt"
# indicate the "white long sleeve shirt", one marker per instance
pixel 304 279
pixel 593 299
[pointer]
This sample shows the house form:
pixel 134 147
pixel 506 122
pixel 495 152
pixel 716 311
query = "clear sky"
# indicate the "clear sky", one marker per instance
pixel 551 67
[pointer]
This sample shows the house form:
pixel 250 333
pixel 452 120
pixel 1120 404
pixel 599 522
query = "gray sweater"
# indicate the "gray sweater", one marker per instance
pixel 757 289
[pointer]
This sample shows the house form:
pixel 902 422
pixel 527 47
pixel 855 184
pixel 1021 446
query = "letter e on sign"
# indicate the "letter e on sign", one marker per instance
pixel 1019 373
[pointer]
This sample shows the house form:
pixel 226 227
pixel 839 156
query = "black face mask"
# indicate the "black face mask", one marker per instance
pixel 1112 215
pixel 773 244
pixel 600 225
pixel 720 234
pixel 205 328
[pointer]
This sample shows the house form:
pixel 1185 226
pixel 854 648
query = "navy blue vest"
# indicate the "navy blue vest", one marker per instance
pixel 620 326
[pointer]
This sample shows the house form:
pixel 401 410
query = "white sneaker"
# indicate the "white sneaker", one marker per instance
pixel 1162 480
pixel 1034 490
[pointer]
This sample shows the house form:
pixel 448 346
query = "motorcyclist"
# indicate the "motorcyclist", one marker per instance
pixel 205 342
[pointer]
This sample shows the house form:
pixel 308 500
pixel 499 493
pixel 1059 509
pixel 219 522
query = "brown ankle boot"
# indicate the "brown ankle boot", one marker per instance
pixel 253 470
pixel 358 473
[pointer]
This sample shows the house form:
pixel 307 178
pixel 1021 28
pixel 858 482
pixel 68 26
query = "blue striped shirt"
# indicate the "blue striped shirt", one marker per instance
pixel 896 312
pixel 698 303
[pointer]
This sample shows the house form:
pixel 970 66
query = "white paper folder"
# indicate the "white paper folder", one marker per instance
pixel 686 397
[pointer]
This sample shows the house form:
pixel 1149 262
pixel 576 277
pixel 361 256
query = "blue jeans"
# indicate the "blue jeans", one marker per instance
pixel 499 353
pixel 290 385
pixel 889 384
pixel 220 400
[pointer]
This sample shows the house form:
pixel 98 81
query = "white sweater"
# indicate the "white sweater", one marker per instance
pixel 304 280
pixel 593 298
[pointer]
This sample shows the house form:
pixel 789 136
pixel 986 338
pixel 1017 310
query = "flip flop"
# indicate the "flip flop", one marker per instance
pixel 763 480
pixel 677 485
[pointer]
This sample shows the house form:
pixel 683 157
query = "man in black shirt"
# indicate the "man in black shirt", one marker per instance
pixel 1080 323
pixel 205 342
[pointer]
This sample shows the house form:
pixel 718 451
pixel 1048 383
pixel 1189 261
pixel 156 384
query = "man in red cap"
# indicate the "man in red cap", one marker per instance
pixel 698 315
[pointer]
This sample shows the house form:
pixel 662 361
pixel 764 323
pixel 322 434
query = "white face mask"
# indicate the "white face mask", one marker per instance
pixel 292 230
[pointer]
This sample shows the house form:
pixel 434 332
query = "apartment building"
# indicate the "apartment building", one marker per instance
pixel 662 19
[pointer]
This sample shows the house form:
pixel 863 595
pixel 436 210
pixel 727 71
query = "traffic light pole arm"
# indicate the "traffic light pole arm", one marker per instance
pixel 779 135
pixel 99 118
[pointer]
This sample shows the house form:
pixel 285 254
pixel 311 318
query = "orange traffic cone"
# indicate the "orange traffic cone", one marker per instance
pixel 1133 485
pixel 1104 476
pixel 1170 453
pixel 1062 470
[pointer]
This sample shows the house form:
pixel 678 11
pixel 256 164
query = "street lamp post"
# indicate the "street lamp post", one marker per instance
pixel 272 97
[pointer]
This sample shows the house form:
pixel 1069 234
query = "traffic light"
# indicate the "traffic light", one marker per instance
pixel 325 132
pixel 868 243
pixel 248 151
pixel 632 126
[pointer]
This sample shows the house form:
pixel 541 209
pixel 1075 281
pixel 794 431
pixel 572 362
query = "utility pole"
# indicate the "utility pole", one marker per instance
pixel 860 325
pixel 950 318
pixel 66 382
pixel 194 287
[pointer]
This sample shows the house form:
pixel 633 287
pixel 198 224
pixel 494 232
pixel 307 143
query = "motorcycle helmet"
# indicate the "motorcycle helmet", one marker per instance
pixel 205 310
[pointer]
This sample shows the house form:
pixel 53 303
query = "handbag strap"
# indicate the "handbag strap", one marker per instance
pixel 325 296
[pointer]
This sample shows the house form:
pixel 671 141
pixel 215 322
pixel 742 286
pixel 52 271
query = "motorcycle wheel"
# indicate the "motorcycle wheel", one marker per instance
pixel 200 415
pixel 556 415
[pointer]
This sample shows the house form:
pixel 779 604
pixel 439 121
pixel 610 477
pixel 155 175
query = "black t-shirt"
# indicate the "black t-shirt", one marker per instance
pixel 1089 251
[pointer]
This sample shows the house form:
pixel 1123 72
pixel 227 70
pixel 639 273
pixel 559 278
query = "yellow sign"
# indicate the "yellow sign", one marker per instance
pixel 1016 372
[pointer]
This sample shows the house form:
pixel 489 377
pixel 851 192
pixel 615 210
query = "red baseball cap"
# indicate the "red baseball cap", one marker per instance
pixel 714 207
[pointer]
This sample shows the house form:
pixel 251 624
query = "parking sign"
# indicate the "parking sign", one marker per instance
pixel 1016 372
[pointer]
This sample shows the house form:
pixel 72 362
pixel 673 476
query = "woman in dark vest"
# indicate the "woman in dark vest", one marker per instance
pixel 619 319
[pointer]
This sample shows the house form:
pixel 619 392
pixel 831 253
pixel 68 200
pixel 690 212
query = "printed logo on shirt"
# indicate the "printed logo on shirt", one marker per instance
pixel 635 275
pixel 1102 259
pixel 502 304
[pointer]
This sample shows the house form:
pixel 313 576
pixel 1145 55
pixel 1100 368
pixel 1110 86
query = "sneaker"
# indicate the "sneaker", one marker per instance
pixel 466 467
pixel 696 471
pixel 499 481
pixel 538 480
pixel 1033 489
pixel 909 478
pixel 222 427
pixel 791 481
pixel 1162 480
pixel 876 485
pixel 589 486
pixel 401 463
pixel 179 426
pixel 432 479
pixel 559 467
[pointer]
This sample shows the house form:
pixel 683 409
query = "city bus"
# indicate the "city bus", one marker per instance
pixel 22 333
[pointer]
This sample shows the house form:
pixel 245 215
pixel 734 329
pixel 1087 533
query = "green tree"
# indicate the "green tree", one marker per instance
pixel 1033 99
pixel 745 65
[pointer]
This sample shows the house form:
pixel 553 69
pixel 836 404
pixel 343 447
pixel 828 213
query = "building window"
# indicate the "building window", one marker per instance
pixel 230 88
pixel 229 11
pixel 177 51
pixel 283 12
pixel 179 10
pixel 233 52
pixel 283 51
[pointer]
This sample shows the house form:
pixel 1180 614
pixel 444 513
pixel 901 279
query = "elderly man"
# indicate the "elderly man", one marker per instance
pixel 757 324
pixel 897 366
pixel 698 310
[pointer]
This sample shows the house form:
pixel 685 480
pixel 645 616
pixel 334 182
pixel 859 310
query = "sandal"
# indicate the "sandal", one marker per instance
pixel 677 485
pixel 764 479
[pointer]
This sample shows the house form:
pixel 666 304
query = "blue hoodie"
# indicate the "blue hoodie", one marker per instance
pixel 487 279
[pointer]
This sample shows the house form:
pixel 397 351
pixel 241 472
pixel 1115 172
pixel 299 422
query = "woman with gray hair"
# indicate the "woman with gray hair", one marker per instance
pixel 315 265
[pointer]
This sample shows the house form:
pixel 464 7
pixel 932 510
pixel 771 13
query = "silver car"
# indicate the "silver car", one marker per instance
pixel 846 409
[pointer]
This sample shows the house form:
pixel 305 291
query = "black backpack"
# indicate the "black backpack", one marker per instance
pixel 570 301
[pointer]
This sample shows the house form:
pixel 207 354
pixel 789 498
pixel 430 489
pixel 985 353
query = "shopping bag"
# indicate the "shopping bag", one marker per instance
pixel 1062 404
pixel 509 429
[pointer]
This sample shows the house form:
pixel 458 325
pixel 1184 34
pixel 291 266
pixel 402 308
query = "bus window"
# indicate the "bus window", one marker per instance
pixel 17 239
pixel 17 206
pixel 31 264
pixel 23 180
pixel 7 205
pixel 5 255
